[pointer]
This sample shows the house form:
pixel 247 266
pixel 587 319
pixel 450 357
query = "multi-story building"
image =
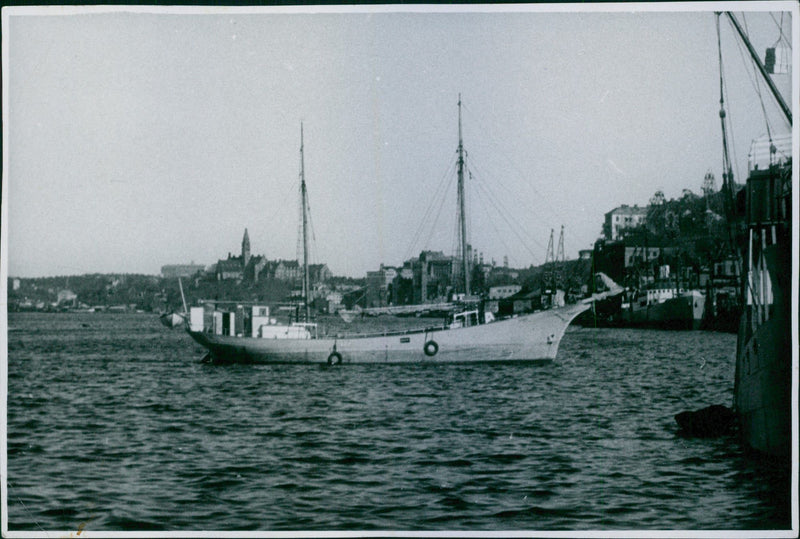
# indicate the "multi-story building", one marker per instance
pixel 620 259
pixel 622 218
pixel 234 267
pixel 379 286
pixel 319 273
pixel 501 292
pixel 433 273
pixel 173 271
pixel 403 286
pixel 256 267
pixel 287 270
pixel 230 268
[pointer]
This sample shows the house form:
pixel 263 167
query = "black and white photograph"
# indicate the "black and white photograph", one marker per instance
pixel 400 270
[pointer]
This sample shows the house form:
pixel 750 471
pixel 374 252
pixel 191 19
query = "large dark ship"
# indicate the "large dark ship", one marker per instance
pixel 665 306
pixel 761 218
pixel 763 380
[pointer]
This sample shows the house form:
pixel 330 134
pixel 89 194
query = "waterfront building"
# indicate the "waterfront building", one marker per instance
pixel 618 259
pixel 403 286
pixel 501 292
pixel 622 218
pixel 502 275
pixel 433 271
pixel 334 302
pixel 379 286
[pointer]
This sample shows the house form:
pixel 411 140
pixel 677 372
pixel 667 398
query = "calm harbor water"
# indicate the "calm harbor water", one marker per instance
pixel 114 424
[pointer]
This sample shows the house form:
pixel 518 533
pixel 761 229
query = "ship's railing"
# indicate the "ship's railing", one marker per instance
pixel 766 152
pixel 387 333
pixel 311 327
pixel 768 196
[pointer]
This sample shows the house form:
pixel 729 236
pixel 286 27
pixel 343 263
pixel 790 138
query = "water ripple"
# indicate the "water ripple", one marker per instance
pixel 114 423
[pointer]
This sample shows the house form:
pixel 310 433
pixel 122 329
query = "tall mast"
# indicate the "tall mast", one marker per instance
pixel 461 211
pixel 728 185
pixel 304 203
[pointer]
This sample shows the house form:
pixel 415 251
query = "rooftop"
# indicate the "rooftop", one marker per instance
pixel 628 210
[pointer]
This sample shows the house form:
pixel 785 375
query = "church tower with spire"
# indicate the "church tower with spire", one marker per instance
pixel 245 250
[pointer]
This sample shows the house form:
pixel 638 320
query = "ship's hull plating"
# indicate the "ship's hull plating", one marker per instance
pixel 684 312
pixel 534 336
pixel 764 367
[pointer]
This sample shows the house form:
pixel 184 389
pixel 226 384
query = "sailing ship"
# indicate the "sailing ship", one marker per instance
pixel 470 335
pixel 762 219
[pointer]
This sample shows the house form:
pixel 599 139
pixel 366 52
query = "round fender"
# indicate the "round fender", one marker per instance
pixel 335 358
pixel 431 348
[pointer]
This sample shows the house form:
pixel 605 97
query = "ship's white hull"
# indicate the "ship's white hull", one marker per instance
pixel 534 336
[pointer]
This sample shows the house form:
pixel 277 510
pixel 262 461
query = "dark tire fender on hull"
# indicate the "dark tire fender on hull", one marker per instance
pixel 431 348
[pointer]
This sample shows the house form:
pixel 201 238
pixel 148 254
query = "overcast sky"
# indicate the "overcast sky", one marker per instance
pixel 134 140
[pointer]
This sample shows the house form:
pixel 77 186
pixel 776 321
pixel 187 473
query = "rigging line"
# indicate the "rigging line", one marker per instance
pixel 441 190
pixel 513 165
pixel 763 108
pixel 310 222
pixel 746 64
pixel 455 236
pixel 438 214
pixel 312 254
pixel 727 164
pixel 505 210
pixel 757 83
pixel 744 24
pixel 534 256
pixel 754 81
pixel 516 196
pixel 510 226
pixel 298 248
pixel 457 221
pixel 437 192
pixel 776 94
pixel 782 37
pixel 496 197
pixel 734 157
pixel 492 223
pixel 529 185
pixel 284 198
pixel 455 246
